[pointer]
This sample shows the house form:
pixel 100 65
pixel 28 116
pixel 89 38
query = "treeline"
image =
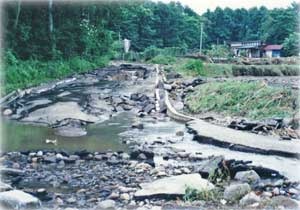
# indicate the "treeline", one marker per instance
pixel 52 29
pixel 276 26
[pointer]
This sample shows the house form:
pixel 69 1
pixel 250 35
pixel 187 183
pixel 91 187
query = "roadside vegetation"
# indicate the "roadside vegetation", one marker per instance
pixel 23 74
pixel 253 100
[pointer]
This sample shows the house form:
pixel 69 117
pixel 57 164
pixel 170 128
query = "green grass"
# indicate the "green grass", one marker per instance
pixel 190 67
pixel 162 59
pixel 253 100
pixel 23 74
pixel 265 70
pixel 192 194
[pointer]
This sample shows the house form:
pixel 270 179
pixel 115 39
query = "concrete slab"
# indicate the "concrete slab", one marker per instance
pixel 238 140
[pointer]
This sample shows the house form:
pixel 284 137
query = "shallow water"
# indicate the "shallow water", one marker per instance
pixel 165 130
pixel 100 137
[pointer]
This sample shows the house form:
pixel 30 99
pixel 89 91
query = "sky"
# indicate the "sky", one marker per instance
pixel 200 6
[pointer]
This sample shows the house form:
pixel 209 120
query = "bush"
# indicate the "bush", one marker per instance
pixel 195 66
pixel 161 59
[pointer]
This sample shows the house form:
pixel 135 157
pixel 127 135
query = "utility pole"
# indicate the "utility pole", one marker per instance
pixel 201 32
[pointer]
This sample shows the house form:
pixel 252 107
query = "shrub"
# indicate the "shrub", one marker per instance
pixel 161 59
pixel 195 66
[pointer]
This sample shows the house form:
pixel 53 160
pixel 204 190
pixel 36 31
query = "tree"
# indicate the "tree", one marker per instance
pixel 291 45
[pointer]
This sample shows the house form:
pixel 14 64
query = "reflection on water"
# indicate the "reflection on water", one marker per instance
pixel 100 137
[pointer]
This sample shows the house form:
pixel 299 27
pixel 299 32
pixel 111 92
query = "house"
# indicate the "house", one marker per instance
pixel 251 49
pixel 272 50
pixel 255 49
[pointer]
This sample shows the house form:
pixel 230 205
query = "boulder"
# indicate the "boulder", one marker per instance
pixel 4 187
pixel 11 172
pixel 207 167
pixel 148 108
pixel 137 125
pixel 249 199
pixel 172 186
pixel 167 87
pixel 17 199
pixel 250 176
pixel 7 112
pixel 235 192
pixel 107 204
pixel 284 201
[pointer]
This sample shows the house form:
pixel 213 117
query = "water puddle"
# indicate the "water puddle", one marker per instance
pixel 100 137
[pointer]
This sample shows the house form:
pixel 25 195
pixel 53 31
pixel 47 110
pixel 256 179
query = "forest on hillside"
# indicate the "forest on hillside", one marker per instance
pixel 52 39
pixel 50 30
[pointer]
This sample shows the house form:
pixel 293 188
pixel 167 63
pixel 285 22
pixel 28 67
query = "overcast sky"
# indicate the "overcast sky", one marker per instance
pixel 200 6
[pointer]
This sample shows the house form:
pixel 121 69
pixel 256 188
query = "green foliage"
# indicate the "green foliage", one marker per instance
pixel 217 70
pixel 272 26
pixel 192 194
pixel 24 74
pixel 194 66
pixel 254 100
pixel 161 59
pixel 219 51
pixel 291 45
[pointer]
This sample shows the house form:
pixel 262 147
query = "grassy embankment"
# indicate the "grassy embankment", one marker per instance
pixel 22 74
pixel 190 68
pixel 253 100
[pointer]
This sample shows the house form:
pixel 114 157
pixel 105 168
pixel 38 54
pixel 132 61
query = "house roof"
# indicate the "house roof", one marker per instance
pixel 273 47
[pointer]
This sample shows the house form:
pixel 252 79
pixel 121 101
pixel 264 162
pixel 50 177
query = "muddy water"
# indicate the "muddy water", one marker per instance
pixel 100 137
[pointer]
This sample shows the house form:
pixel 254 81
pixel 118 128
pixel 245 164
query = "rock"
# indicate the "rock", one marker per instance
pixel 179 133
pixel 4 187
pixel 172 186
pixel 249 199
pixel 59 156
pixel 107 204
pixel 293 191
pixel 236 191
pixel 142 156
pixel 7 112
pixel 284 201
pixel 39 153
pixel 143 167
pixel 70 131
pixel 276 191
pixel 17 198
pixel 207 167
pixel 138 125
pixel 71 159
pixel 266 195
pixel 250 177
pixel 11 172
pixel 71 200
pixel 148 108
pixel 167 87
pixel 124 196
pixel 125 156
pixel 113 195
pixel 50 159
pixel 186 170
pixel 178 105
